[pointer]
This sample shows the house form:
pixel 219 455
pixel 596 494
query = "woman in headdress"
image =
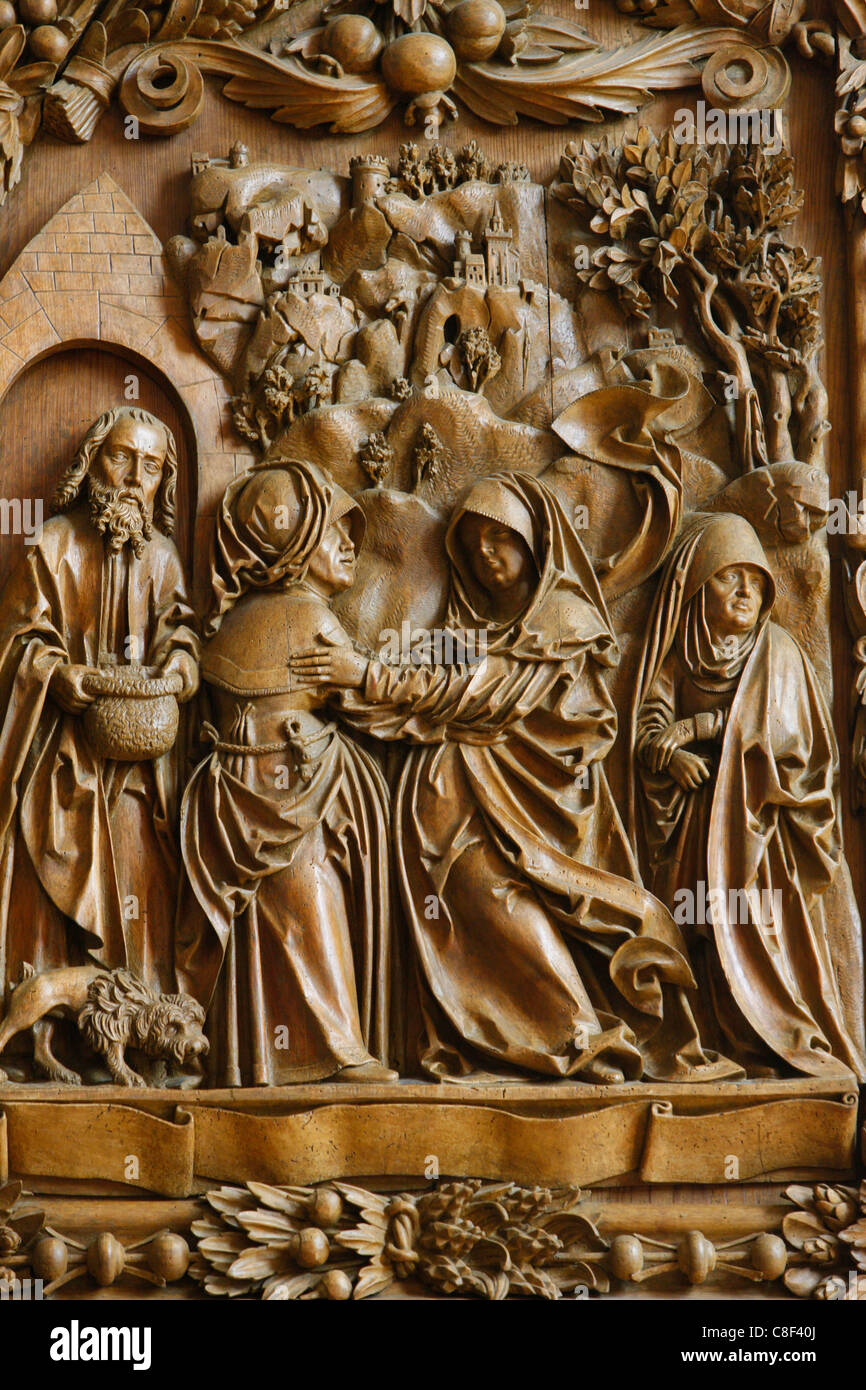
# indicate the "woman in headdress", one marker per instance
pixel 284 824
pixel 736 772
pixel 537 949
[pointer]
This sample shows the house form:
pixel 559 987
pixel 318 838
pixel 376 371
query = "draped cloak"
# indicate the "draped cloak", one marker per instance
pixel 763 835
pixel 537 947
pixel 284 825
pixel 81 836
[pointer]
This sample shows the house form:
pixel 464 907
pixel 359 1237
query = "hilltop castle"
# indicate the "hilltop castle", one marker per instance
pixel 498 264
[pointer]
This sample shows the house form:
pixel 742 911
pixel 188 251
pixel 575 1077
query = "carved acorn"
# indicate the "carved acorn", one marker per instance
pixel 326 1207
pixel 475 28
pixel 418 63
pixel 313 1248
pixel 353 41
pixel 336 1285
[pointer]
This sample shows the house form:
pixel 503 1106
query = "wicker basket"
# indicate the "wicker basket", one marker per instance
pixel 134 716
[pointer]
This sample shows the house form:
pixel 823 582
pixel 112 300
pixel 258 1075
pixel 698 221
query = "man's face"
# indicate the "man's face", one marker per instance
pixel 332 568
pixel 133 456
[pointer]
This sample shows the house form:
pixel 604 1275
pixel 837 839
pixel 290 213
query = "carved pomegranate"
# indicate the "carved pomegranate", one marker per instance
pixel 418 63
pixel 354 41
pixel 475 28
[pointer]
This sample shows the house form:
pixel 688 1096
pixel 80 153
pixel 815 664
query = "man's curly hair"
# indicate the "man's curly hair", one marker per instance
pixel 70 485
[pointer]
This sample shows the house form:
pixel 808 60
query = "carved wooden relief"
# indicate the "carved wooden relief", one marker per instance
pixel 430 764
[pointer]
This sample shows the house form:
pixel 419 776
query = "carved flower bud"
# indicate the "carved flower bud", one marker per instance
pixel 821 1250
pixel 831 1290
pixel 49 1258
pixel 696 1257
pixel 626 1256
pixel 769 1255
pixel 105 1259
pixel 9 1240
pixel 836 1208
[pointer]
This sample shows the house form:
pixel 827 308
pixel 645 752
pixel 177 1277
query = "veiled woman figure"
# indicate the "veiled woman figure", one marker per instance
pixel 736 791
pixel 537 949
pixel 284 824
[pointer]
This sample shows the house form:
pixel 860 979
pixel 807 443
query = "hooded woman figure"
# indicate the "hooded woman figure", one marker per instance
pixel 736 772
pixel 536 947
pixel 284 824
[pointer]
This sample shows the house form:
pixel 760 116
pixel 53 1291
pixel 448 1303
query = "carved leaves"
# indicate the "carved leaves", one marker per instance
pixel 338 1241
pixel 828 1237
pixel 584 86
pixel 681 221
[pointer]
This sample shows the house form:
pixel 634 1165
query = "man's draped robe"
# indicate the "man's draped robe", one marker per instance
pixel 88 865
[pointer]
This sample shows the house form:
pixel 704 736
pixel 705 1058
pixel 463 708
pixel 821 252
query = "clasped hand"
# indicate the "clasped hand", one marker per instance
pixel 666 753
pixel 340 666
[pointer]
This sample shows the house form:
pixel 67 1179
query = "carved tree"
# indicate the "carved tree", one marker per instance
pixel 710 226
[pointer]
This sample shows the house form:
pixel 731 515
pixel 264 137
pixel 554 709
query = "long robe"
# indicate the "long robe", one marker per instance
pixel 287 854
pixel 82 839
pixel 760 841
pixel 284 825
pixel 537 947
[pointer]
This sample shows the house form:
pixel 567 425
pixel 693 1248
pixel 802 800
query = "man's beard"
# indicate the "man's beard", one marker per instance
pixel 120 514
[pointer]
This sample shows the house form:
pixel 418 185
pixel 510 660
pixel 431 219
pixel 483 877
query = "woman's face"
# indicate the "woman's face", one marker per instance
pixel 498 557
pixel 734 597
pixel 332 567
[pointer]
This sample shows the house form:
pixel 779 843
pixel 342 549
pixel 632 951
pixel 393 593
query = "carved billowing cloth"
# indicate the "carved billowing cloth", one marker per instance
pixel 756 849
pixel 86 840
pixel 284 825
pixel 541 950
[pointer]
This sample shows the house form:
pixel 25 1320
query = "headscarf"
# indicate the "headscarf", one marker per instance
pixel 678 616
pixel 566 612
pixel 271 522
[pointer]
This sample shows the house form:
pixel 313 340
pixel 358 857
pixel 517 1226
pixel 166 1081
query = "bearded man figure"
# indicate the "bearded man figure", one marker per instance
pixel 88 865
